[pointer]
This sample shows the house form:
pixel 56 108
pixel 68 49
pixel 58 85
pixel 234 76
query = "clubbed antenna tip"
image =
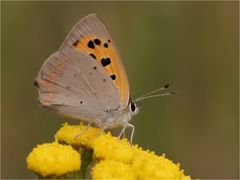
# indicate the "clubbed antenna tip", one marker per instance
pixel 166 86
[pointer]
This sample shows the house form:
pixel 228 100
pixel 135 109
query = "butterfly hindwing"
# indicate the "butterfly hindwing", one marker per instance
pixel 73 83
pixel 92 37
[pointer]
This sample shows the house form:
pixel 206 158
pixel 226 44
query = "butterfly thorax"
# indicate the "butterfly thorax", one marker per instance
pixel 115 118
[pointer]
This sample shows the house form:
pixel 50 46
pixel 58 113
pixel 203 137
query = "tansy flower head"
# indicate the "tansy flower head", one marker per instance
pixel 109 147
pixel 77 135
pixel 109 169
pixel 106 157
pixel 148 165
pixel 53 159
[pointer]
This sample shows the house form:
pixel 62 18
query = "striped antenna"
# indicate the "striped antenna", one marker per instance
pixel 154 93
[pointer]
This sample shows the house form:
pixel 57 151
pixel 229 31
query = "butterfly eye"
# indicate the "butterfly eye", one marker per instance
pixel 133 107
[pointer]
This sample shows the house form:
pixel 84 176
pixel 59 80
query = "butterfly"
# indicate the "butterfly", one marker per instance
pixel 86 79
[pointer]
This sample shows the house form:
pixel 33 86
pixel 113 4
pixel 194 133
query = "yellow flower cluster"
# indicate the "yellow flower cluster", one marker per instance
pixel 147 165
pixel 107 147
pixel 118 159
pixel 53 159
pixel 77 135
pixel 110 169
pixel 113 158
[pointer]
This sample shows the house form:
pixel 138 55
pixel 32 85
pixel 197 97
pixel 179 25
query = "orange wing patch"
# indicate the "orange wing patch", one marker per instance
pixel 104 52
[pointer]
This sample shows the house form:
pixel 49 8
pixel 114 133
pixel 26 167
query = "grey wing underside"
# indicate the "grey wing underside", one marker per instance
pixel 74 84
pixel 90 25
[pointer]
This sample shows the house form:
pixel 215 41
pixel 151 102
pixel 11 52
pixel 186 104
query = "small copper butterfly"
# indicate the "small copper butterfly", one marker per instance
pixel 85 79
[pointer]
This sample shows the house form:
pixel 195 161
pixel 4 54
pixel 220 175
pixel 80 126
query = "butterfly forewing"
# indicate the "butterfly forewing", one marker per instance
pixel 73 83
pixel 91 36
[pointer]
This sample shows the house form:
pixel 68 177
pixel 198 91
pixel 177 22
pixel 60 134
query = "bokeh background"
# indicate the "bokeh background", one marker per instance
pixel 193 46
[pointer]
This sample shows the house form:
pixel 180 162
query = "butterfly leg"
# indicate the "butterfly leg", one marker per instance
pixel 102 126
pixel 122 131
pixel 83 130
pixel 133 128
pixel 124 134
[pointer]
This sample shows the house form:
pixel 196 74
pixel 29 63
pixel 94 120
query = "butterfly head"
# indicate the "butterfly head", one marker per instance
pixel 134 107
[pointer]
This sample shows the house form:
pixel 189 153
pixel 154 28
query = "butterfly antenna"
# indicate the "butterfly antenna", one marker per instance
pixel 153 96
pixel 154 91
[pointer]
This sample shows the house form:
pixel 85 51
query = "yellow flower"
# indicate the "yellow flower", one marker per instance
pixel 77 135
pixel 109 157
pixel 53 159
pixel 148 165
pixel 109 147
pixel 109 169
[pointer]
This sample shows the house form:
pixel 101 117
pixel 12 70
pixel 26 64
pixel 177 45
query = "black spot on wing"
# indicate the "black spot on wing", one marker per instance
pixel 105 62
pixel 76 43
pixel 105 45
pixel 97 41
pixel 113 77
pixel 91 44
pixel 36 83
pixel 93 56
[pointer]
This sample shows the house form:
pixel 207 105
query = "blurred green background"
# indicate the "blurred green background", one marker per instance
pixel 191 45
